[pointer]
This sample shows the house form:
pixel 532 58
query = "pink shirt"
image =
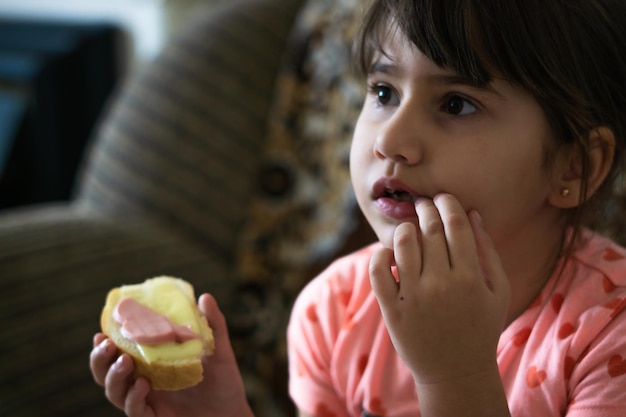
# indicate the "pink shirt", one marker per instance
pixel 564 356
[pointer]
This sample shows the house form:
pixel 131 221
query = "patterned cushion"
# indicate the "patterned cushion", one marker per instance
pixel 305 206
pixel 304 211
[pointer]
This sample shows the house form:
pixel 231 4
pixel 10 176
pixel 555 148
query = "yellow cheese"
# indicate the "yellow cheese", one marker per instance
pixel 167 298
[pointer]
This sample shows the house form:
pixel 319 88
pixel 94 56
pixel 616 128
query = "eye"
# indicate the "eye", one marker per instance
pixel 385 95
pixel 457 105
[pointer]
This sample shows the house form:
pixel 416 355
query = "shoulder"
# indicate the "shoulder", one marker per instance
pixel 343 279
pixel 329 301
pixel 572 340
pixel 591 292
pixel 592 317
pixel 600 255
pixel 593 326
pixel 580 308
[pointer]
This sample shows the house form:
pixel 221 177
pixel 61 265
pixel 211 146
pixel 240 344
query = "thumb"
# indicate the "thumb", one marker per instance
pixel 489 258
pixel 208 306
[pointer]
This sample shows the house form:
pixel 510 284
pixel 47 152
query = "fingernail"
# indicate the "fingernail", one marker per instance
pixel 105 346
pixel 479 219
pixel 119 362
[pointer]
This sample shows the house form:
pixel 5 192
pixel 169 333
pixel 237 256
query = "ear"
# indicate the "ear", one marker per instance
pixel 568 181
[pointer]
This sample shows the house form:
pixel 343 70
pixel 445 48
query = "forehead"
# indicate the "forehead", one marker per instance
pixel 397 56
pixel 396 51
pixel 398 42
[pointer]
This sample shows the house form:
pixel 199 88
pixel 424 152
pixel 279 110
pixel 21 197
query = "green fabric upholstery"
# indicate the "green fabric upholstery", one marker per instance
pixel 49 314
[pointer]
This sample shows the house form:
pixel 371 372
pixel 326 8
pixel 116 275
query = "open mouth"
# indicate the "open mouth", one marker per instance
pixel 394 198
pixel 399 195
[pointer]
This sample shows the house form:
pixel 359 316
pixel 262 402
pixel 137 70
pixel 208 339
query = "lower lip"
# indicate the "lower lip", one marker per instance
pixel 400 210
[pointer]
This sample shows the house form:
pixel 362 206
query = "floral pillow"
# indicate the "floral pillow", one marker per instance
pixel 305 208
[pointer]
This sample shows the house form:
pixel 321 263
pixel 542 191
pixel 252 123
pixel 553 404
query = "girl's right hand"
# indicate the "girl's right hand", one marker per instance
pixel 221 392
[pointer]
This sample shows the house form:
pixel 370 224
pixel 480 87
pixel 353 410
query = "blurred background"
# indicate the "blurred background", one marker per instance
pixel 60 60
pixel 218 134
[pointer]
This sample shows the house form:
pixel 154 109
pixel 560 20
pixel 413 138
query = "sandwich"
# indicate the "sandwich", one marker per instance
pixel 158 323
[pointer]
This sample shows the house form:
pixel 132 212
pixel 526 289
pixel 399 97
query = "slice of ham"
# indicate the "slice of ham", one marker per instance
pixel 143 325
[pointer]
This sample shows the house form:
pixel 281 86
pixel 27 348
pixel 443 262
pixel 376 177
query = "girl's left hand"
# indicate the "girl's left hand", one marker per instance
pixel 221 392
pixel 449 306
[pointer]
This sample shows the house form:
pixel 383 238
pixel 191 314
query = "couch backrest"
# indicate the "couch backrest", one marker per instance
pixel 181 142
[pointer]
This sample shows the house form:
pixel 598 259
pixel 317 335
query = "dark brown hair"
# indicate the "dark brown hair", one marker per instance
pixel 570 54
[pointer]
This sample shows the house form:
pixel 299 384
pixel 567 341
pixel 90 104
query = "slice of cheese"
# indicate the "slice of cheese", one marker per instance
pixel 171 300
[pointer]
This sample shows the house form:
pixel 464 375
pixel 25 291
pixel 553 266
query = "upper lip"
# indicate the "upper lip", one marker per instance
pixel 384 186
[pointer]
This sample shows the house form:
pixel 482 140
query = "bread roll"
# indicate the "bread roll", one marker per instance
pixel 171 365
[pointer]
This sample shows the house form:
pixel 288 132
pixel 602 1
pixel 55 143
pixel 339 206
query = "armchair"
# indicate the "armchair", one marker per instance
pixel 223 162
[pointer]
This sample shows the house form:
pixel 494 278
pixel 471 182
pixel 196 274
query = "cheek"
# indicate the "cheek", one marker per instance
pixel 360 154
pixel 357 175
pixel 511 204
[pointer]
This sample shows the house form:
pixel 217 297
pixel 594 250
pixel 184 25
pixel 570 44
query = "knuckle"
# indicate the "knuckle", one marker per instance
pixel 456 221
pixel 404 237
pixel 433 227
pixel 376 270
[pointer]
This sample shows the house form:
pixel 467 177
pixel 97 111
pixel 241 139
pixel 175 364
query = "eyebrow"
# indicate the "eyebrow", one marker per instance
pixel 441 79
pixel 383 68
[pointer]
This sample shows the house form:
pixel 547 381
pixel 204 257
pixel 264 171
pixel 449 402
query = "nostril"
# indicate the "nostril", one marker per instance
pixel 404 156
pixel 379 154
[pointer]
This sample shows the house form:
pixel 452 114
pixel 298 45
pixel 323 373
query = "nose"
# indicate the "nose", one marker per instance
pixel 397 139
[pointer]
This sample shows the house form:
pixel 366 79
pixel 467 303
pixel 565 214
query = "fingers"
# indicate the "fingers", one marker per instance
pixel 451 240
pixel 98 338
pixel 118 381
pixel 217 322
pixel 407 251
pixel 136 399
pixel 382 280
pixel 208 306
pixel 458 232
pixel 433 236
pixel 113 372
pixel 490 262
pixel 102 357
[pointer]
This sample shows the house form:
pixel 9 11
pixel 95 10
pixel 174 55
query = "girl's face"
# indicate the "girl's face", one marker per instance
pixel 425 130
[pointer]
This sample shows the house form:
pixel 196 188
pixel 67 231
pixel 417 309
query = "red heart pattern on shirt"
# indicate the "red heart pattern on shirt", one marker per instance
pixel 568 367
pixel 557 302
pixel 522 336
pixel 362 364
pixel 617 366
pixel 321 410
pixel 535 377
pixel 611 255
pixel 376 408
pixel 311 313
pixel 566 330
pixel 608 285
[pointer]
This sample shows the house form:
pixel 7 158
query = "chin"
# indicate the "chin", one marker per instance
pixel 385 235
pixel 383 227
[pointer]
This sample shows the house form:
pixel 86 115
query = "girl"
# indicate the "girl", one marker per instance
pixel 490 131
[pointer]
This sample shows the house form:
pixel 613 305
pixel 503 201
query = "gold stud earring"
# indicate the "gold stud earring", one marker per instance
pixel 564 192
